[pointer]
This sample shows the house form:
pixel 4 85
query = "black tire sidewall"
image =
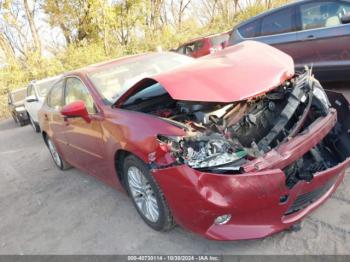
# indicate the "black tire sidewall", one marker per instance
pixel 133 161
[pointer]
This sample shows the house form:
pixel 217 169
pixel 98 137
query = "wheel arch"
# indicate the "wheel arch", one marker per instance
pixel 44 135
pixel 119 157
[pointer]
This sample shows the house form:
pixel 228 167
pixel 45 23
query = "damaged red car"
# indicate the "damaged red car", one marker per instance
pixel 231 146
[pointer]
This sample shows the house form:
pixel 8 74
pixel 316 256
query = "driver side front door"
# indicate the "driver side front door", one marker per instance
pixel 85 139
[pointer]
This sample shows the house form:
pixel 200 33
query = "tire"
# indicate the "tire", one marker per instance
pixel 57 159
pixel 22 122
pixel 35 126
pixel 150 197
pixel 14 118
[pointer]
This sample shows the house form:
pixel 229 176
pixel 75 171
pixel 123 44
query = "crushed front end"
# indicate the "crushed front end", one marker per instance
pixel 252 168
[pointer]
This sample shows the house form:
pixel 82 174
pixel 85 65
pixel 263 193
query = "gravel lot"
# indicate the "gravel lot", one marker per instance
pixel 47 211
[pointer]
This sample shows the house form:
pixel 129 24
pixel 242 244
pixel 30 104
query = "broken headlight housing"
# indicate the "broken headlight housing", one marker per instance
pixel 321 97
pixel 202 151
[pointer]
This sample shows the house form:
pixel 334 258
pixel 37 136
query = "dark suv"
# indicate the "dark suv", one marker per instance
pixel 16 106
pixel 315 33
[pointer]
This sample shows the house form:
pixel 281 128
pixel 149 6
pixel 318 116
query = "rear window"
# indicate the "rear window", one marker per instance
pixel 18 95
pixel 218 40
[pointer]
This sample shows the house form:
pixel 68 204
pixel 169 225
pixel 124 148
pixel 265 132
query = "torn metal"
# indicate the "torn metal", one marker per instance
pixel 221 137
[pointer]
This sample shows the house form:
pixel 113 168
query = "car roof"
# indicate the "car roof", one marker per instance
pixel 296 2
pixel 45 79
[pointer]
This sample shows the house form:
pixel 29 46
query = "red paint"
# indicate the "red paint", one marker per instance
pixel 204 45
pixel 76 109
pixel 251 198
pixel 227 75
pixel 194 197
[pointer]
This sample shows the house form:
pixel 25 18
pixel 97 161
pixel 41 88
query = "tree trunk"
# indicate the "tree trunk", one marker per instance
pixel 32 27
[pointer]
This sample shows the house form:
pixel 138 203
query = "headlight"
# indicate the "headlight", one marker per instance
pixel 202 151
pixel 20 108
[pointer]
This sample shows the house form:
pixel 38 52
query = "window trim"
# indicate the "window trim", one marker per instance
pixel 97 111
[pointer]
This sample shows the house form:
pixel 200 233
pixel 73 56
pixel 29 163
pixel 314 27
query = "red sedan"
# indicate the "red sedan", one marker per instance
pixel 235 145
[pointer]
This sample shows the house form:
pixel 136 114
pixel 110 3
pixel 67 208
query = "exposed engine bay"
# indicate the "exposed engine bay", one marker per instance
pixel 222 137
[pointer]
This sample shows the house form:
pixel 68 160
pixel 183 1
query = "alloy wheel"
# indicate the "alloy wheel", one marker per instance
pixel 56 157
pixel 143 194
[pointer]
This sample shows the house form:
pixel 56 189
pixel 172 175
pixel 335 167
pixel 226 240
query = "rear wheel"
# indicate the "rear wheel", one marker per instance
pixel 60 163
pixel 146 195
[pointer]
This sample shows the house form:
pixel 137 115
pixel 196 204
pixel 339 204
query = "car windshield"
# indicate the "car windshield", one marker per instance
pixel 114 81
pixel 218 40
pixel 18 95
pixel 44 86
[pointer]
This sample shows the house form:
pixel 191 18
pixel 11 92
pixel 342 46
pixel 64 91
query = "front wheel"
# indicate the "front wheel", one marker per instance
pixel 60 163
pixel 146 195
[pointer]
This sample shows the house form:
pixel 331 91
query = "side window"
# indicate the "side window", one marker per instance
pixel 76 90
pixel 55 97
pixel 30 91
pixel 322 14
pixel 250 30
pixel 282 21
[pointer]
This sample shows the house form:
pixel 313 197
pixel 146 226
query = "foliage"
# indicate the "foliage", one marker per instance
pixel 98 30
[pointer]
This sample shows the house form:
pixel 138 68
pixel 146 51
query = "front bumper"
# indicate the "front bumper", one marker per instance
pixel 254 199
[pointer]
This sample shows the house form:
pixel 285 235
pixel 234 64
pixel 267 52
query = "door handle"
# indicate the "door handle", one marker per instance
pixel 309 37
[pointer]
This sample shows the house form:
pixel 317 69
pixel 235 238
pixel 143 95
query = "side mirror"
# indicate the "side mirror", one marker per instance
pixel 76 109
pixel 31 99
pixel 345 19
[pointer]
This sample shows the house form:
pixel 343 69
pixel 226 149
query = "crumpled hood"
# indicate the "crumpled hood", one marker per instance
pixel 236 73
